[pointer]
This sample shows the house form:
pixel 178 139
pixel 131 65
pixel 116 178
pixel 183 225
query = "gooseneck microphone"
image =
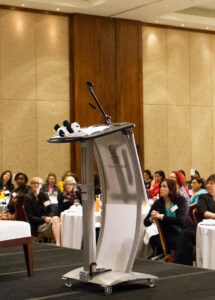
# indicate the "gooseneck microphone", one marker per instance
pixel 90 87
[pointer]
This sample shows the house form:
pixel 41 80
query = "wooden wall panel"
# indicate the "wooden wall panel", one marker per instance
pixel 129 76
pixel 107 52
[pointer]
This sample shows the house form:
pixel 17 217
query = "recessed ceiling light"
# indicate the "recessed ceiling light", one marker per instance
pixel 58 9
pixel 207 28
pixel 23 4
pixel 156 21
pixel 182 25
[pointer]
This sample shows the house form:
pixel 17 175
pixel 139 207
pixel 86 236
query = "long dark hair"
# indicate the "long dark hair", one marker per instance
pixel 200 180
pixel 161 173
pixel 173 195
pixel 148 172
pixel 9 184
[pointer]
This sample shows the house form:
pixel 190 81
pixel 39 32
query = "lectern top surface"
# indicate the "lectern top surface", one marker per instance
pixel 75 137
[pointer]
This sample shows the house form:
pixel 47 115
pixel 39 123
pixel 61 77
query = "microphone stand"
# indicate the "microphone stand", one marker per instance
pixel 90 87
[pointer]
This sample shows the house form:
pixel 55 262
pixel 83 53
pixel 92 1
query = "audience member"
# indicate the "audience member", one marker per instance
pixel 21 181
pixel 195 175
pixel 180 184
pixel 71 194
pixel 148 179
pixel 6 181
pixel 52 191
pixel 159 176
pixel 206 203
pixel 39 212
pixel 66 174
pixel 198 187
pixel 171 210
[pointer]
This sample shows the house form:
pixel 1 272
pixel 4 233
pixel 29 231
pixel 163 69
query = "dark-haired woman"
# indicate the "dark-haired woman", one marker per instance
pixel 51 185
pixel 198 187
pixel 171 209
pixel 148 179
pixel 52 191
pixel 159 176
pixel 206 203
pixel 21 181
pixel 6 181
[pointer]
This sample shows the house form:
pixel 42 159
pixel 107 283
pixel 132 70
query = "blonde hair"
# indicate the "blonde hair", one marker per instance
pixel 37 179
pixel 70 179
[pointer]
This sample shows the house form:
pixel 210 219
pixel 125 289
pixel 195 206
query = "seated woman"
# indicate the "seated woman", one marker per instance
pixel 52 191
pixel 39 213
pixel 180 180
pixel 66 174
pixel 71 194
pixel 171 209
pixel 198 187
pixel 6 181
pixel 159 176
pixel 21 181
pixel 206 203
pixel 148 179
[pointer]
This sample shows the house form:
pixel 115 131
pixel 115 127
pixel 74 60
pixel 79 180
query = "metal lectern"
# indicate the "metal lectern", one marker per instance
pixel 123 192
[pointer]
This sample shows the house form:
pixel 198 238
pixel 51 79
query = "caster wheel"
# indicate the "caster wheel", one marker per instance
pixel 151 283
pixel 108 290
pixel 68 282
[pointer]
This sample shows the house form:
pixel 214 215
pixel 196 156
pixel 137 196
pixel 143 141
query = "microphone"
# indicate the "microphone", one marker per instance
pixel 89 85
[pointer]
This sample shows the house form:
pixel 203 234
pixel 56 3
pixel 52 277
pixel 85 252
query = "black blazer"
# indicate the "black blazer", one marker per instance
pixel 36 209
pixel 205 203
pixel 182 218
pixel 65 201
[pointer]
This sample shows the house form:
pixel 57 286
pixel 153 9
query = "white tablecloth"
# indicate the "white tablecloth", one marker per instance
pixel 3 207
pixel 143 250
pixel 205 244
pixel 72 227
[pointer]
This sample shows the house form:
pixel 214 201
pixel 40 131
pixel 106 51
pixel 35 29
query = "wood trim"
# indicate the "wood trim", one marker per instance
pixel 27 243
pixel 177 28
pixel 34 10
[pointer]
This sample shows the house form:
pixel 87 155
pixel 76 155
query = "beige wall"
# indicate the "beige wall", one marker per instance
pixel 179 100
pixel 34 92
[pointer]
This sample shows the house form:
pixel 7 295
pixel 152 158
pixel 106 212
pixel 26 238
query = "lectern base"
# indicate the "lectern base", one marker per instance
pixel 110 278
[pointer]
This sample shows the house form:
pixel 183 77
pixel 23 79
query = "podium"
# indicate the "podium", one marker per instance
pixel 123 193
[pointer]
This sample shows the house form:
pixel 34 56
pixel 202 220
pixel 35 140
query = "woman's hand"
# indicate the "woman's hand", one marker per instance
pixel 155 215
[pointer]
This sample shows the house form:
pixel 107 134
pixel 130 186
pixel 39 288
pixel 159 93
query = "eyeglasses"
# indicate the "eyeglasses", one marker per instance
pixel 35 183
pixel 70 184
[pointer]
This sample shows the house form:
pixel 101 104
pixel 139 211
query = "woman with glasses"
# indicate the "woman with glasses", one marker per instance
pixel 198 187
pixel 71 194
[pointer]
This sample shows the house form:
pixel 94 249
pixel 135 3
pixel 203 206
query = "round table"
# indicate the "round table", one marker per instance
pixel 205 244
pixel 72 226
pixel 143 250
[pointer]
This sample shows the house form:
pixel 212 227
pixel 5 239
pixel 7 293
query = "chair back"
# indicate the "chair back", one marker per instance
pixel 162 238
pixel 20 214
pixel 193 211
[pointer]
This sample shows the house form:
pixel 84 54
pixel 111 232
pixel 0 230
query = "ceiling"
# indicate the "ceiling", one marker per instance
pixel 197 14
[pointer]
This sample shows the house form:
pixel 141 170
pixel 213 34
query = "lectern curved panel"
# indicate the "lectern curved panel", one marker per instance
pixel 122 197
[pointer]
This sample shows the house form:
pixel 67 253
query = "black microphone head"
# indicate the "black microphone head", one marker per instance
pixel 89 85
